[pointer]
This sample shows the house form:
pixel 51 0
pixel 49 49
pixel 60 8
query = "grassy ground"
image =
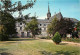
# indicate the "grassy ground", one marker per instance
pixel 72 40
pixel 36 47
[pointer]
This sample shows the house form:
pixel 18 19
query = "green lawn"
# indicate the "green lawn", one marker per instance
pixel 36 47
pixel 72 40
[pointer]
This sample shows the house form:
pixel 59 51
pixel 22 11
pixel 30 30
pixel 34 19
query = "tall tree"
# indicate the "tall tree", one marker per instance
pixel 64 26
pixel 52 25
pixel 32 26
pixel 78 26
pixel 7 6
pixel 8 21
pixel 6 10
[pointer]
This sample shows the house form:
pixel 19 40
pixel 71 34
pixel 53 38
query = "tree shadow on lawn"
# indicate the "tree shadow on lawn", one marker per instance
pixel 65 53
pixel 6 42
pixel 3 49
pixel 22 39
pixel 45 53
pixel 58 53
pixel 16 40
pixel 4 53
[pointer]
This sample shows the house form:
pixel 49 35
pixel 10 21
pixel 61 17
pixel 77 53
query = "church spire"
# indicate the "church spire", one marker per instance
pixel 48 14
pixel 48 8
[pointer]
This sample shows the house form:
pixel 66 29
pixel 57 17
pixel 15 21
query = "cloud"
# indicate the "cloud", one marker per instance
pixel 41 17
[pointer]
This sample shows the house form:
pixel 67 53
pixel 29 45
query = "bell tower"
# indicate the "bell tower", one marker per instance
pixel 48 14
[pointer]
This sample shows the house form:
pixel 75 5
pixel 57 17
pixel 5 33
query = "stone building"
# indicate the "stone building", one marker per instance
pixel 43 23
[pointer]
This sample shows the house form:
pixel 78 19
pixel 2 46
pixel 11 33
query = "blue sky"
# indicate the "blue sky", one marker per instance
pixel 68 8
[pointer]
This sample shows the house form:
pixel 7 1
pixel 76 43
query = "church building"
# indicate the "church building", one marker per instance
pixel 43 23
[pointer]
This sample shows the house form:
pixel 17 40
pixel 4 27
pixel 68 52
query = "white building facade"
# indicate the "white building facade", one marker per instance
pixel 42 24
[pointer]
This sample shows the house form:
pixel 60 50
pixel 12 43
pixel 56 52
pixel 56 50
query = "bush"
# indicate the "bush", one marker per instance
pixel 48 37
pixel 57 38
pixel 3 37
pixel 43 37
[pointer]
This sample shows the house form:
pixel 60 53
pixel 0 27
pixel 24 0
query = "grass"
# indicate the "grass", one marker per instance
pixel 36 47
pixel 72 40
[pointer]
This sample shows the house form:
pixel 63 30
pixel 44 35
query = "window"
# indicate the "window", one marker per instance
pixel 20 23
pixel 40 24
pixel 44 24
pixel 44 28
pixel 20 28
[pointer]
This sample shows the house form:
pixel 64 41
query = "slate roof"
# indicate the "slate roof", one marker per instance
pixel 58 15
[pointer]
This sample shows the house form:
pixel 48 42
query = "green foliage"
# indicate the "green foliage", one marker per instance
pixel 50 29
pixel 7 19
pixel 7 25
pixel 51 26
pixel 78 26
pixel 32 26
pixel 3 35
pixel 2 29
pixel 9 22
pixel 64 26
pixel 43 37
pixel 12 7
pixel 57 38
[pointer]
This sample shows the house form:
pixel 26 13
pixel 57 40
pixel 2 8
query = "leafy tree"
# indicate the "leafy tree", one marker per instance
pixel 64 26
pixel 9 22
pixel 50 29
pixel 32 26
pixel 52 25
pixel 57 38
pixel 78 26
pixel 6 10
pixel 8 6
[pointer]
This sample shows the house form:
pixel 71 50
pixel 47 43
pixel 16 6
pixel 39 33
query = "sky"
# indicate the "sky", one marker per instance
pixel 68 8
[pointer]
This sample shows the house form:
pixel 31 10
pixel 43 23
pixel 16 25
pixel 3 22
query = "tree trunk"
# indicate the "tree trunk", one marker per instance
pixel 33 35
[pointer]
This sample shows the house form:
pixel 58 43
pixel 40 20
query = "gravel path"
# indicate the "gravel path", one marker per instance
pixel 63 42
pixel 71 43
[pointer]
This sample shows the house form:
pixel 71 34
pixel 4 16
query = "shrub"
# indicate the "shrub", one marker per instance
pixel 3 37
pixel 48 37
pixel 57 38
pixel 43 37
